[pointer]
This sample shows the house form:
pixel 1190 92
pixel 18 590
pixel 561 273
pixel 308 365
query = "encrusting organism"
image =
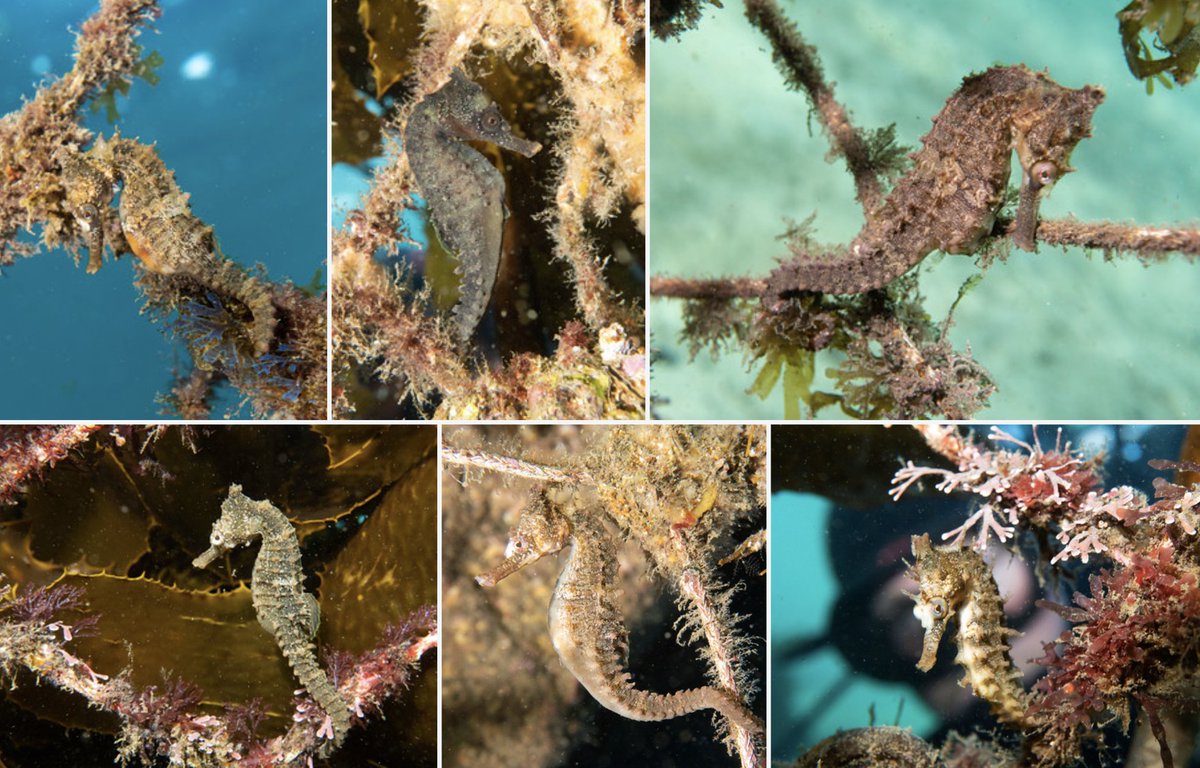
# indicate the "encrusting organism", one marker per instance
pixel 464 191
pixel 586 627
pixel 284 609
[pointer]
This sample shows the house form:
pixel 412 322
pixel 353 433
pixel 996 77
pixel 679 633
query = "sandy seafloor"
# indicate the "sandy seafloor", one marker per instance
pixel 1065 335
pixel 246 139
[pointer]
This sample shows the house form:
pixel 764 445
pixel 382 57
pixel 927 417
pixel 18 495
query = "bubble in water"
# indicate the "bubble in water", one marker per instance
pixel 197 66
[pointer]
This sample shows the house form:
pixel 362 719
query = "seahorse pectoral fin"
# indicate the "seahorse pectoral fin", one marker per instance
pixel 314 614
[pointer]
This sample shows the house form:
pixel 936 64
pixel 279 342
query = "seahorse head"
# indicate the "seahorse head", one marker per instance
pixel 1047 129
pixel 89 187
pixel 470 114
pixel 542 530
pixel 236 527
pixel 943 588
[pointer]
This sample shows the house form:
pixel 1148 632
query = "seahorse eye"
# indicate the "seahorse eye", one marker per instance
pixel 491 119
pixel 1044 173
pixel 216 539
pixel 939 607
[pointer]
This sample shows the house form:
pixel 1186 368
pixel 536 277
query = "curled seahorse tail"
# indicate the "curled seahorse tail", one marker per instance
pixel 231 280
pixel 665 706
pixel 318 685
pixel 843 275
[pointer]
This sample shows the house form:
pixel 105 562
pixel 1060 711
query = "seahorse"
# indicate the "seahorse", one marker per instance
pixel 948 201
pixel 157 224
pixel 284 609
pixel 957 584
pixel 464 191
pixel 586 627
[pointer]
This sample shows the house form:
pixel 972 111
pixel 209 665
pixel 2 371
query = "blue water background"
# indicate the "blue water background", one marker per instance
pixel 821 693
pixel 1066 336
pixel 248 142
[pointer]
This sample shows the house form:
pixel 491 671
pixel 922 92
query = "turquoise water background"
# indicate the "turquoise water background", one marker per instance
pixel 246 139
pixel 1064 335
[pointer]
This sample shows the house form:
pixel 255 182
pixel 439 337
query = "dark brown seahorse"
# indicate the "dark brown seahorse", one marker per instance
pixel 284 609
pixel 464 191
pixel 948 201
pixel 157 224
pixel 957 585
pixel 586 628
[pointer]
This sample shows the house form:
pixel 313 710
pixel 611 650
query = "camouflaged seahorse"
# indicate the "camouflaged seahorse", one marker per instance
pixel 586 628
pixel 464 191
pixel 950 198
pixel 277 584
pixel 956 583
pixel 157 224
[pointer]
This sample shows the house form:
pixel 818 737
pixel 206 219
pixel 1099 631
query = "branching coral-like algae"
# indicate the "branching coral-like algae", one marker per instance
pixel 266 339
pixel 173 659
pixel 894 361
pixel 559 342
pixel 674 504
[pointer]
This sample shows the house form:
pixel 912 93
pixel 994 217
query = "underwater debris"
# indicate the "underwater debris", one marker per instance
pixel 572 77
pixel 1174 26
pixel 689 488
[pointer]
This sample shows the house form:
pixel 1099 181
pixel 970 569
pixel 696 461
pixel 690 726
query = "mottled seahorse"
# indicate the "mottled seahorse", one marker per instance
pixel 948 201
pixel 277 585
pixel 956 583
pixel 464 191
pixel 157 224
pixel 586 628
